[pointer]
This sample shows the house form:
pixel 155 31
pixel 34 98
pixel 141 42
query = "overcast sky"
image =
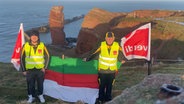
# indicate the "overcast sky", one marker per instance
pixel 94 0
pixel 121 0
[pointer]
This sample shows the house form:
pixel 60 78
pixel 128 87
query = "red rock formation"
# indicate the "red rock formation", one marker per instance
pixel 56 22
pixel 86 41
pixel 96 23
pixel 97 16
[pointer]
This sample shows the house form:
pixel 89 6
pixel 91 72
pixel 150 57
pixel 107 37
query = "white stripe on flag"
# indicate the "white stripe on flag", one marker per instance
pixel 70 94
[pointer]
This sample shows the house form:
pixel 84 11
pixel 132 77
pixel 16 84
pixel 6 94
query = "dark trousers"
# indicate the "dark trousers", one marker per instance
pixel 105 86
pixel 33 77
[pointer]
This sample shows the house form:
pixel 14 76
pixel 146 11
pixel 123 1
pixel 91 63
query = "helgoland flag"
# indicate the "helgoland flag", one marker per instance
pixel 15 60
pixel 72 80
pixel 136 45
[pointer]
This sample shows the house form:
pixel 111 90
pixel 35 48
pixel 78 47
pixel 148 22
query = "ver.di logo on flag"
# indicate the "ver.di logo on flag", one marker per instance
pixel 137 43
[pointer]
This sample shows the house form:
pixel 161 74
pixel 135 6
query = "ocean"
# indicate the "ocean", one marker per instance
pixel 35 13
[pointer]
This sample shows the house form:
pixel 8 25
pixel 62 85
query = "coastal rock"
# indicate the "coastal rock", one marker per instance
pixel 56 23
pixel 96 23
pixel 98 16
pixel 86 41
pixel 148 90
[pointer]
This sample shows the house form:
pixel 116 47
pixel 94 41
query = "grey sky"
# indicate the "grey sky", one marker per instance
pixel 122 0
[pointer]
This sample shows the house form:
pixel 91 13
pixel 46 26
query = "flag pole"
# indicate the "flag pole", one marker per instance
pixel 149 67
pixel 149 53
pixel 137 44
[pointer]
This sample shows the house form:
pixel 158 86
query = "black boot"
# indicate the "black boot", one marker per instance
pixel 98 101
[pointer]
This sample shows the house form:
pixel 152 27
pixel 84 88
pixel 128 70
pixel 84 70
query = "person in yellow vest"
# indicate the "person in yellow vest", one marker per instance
pixel 107 66
pixel 34 61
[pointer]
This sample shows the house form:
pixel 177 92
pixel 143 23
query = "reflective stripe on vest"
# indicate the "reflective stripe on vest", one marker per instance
pixel 34 59
pixel 108 60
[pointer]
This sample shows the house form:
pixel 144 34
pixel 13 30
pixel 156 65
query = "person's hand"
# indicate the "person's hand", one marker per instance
pixel 84 59
pixel 123 61
pixel 116 73
pixel 43 70
pixel 24 73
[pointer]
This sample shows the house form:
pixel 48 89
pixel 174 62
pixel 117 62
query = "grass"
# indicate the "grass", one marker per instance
pixel 177 19
pixel 13 83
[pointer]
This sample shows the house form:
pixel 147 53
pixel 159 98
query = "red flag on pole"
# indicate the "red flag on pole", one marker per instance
pixel 15 60
pixel 136 45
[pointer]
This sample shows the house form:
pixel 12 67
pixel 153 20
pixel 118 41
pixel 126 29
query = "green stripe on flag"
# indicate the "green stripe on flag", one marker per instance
pixel 74 65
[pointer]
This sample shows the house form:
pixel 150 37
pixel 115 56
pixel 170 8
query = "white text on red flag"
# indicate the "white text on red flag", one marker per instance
pixel 136 45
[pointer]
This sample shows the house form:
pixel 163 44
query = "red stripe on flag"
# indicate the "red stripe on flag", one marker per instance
pixel 73 80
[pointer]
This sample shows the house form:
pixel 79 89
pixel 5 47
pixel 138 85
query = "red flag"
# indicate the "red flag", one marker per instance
pixel 137 43
pixel 15 60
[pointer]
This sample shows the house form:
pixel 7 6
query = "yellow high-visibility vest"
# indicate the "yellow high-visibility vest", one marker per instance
pixel 34 59
pixel 108 60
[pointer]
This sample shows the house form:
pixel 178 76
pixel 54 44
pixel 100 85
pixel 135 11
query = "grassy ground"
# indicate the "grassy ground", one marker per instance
pixel 13 84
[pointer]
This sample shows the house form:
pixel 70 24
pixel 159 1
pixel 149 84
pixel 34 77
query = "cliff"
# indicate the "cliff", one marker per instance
pixel 167 35
pixel 94 27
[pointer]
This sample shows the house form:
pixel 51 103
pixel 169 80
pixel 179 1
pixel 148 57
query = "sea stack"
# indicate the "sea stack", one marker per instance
pixel 56 23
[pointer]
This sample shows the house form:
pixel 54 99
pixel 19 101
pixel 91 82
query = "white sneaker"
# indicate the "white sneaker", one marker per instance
pixel 30 99
pixel 41 98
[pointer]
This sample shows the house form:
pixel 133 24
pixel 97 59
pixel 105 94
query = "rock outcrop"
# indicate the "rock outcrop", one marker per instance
pixel 147 91
pixel 98 16
pixel 56 23
pixel 96 23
